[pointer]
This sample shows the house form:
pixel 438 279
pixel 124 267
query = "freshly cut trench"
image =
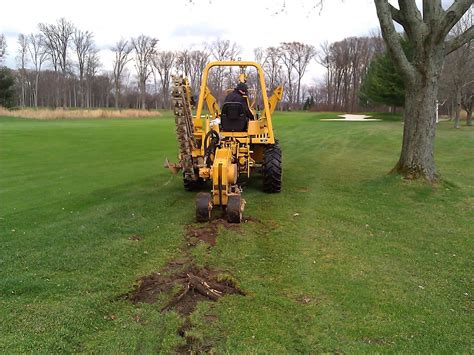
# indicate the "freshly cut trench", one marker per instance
pixel 185 284
pixel 207 232
pixel 194 284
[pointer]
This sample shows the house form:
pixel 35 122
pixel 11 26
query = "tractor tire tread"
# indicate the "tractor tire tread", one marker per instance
pixel 272 168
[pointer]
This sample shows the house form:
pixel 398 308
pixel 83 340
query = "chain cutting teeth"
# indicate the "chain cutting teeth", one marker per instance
pixel 184 124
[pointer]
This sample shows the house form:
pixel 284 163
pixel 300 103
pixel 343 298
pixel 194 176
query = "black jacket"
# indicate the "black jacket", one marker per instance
pixel 236 96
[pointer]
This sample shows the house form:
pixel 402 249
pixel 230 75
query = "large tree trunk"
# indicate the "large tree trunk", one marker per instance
pixel 469 118
pixel 416 159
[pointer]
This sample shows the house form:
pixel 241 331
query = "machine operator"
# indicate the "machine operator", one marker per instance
pixel 240 95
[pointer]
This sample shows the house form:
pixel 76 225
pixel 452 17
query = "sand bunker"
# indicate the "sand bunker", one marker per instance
pixel 351 118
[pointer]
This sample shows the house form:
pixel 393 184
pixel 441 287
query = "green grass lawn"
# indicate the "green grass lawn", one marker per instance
pixel 345 259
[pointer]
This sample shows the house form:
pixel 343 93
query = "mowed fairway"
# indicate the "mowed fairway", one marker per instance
pixel 345 259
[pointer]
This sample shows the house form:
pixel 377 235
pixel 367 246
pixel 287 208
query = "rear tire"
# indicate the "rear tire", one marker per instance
pixel 234 209
pixel 272 168
pixel 203 207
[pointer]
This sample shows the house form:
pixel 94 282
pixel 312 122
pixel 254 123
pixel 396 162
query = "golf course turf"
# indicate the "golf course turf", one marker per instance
pixel 347 258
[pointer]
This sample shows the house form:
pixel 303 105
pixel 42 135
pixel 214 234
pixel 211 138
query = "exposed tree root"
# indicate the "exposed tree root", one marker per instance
pixel 415 173
pixel 195 284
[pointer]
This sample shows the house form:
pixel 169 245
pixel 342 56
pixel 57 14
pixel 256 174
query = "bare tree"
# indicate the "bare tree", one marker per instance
pixel 361 51
pixel 346 63
pixel 323 57
pixel 51 44
pixel 145 48
pixel 288 59
pixel 91 68
pixel 183 62
pixel 467 98
pixel 83 46
pixel 192 63
pixel 460 64
pixel 341 73
pixel 3 47
pixel 121 50
pixel 58 37
pixel 259 54
pixel 272 67
pixel 270 59
pixel 467 65
pixel 335 58
pixel 198 60
pixel 21 59
pixel 57 40
pixel 300 55
pixel 222 50
pixel 426 32
pixel 38 55
pixel 163 62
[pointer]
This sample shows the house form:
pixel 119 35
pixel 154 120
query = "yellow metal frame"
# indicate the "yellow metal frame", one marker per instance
pixel 265 135
pixel 234 155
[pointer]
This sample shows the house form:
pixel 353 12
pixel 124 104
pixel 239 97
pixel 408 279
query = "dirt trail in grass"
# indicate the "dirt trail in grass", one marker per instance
pixel 207 232
pixel 187 284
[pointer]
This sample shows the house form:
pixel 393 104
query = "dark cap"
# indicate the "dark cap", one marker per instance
pixel 242 87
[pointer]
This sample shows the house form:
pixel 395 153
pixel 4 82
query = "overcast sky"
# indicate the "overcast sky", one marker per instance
pixel 180 24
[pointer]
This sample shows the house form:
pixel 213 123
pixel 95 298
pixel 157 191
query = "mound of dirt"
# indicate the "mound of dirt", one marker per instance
pixel 207 232
pixel 194 285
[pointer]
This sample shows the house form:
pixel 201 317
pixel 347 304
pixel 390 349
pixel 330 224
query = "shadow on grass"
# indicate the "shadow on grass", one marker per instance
pixel 418 191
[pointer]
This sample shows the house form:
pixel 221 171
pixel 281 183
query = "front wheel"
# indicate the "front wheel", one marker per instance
pixel 203 207
pixel 234 209
pixel 272 168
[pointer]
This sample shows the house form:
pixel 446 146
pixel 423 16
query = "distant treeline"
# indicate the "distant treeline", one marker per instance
pixel 59 66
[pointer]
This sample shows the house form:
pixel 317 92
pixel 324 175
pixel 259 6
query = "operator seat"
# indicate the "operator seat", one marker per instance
pixel 233 118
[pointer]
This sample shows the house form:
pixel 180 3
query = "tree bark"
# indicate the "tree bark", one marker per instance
pixel 416 158
pixel 469 118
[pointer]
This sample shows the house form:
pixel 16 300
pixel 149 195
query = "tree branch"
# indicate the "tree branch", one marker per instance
pixel 392 38
pixel 452 15
pixel 432 10
pixel 396 15
pixel 414 25
pixel 456 42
